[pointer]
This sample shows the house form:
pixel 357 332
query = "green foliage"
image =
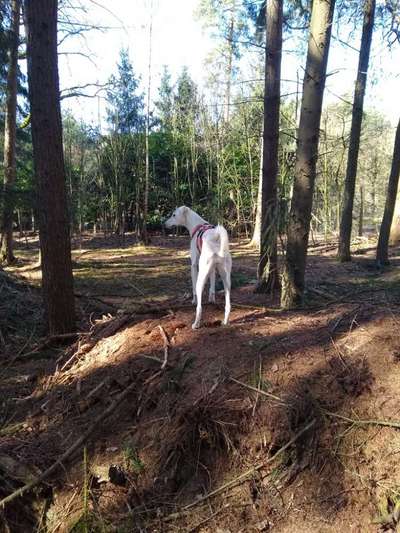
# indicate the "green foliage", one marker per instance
pixel 164 104
pixel 200 155
pixel 132 459
pixel 125 111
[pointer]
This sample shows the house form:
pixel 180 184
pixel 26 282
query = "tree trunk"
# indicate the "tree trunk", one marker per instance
pixel 44 96
pixel 355 132
pixel 20 228
pixel 268 279
pixel 144 232
pixel 394 237
pixel 382 256
pixel 307 153
pixel 7 254
pixel 229 66
pixel 361 212
pixel 255 240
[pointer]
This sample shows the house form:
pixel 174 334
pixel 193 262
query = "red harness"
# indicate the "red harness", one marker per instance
pixel 200 230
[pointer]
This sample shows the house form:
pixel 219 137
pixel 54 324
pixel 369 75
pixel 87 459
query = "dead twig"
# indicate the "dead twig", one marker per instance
pixel 82 350
pixel 167 344
pixel 243 477
pixel 210 517
pixel 339 353
pixel 250 306
pixel 344 316
pixel 259 391
pixel 258 384
pixel 364 422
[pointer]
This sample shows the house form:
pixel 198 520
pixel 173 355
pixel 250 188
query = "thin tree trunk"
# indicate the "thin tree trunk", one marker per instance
pixel 7 254
pixel 361 212
pixel 145 235
pixel 382 256
pixel 255 240
pixel 307 153
pixel 355 132
pixel 20 228
pixel 44 96
pixel 267 273
pixel 229 67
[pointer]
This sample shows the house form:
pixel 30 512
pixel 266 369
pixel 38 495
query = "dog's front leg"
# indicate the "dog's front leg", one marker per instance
pixel 194 271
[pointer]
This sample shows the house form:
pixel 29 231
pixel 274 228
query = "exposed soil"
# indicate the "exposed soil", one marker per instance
pixel 203 420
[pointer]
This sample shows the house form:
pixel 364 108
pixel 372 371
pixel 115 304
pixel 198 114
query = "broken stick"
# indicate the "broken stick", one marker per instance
pixel 70 450
pixel 167 344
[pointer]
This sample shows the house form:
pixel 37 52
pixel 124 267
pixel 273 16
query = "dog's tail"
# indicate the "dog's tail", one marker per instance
pixel 222 235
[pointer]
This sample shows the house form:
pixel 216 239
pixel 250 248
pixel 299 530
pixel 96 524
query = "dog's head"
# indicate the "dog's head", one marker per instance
pixel 178 217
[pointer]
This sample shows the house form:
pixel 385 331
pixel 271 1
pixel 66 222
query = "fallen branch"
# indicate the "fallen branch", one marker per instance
pixel 250 306
pixel 358 422
pixel 96 298
pixel 243 477
pixel 44 343
pixel 365 422
pixel 260 391
pixel 82 350
pixel 107 412
pixel 323 293
pixel 110 327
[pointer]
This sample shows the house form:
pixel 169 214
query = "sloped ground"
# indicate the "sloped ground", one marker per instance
pixel 211 438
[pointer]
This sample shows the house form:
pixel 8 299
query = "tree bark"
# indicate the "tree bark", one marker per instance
pixel 268 279
pixel 7 253
pixel 44 96
pixel 382 255
pixel 355 132
pixel 307 153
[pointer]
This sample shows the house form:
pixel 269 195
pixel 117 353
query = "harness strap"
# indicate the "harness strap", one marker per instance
pixel 200 230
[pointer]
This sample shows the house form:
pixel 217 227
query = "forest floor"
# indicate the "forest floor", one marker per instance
pixel 281 421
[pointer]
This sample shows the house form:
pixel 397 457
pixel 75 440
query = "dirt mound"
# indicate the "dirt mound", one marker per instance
pixel 194 419
pixel 280 422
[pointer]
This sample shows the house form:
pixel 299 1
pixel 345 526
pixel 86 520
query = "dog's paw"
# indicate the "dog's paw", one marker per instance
pixel 225 322
pixel 195 325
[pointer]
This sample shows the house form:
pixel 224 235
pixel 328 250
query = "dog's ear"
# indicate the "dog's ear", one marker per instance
pixel 184 210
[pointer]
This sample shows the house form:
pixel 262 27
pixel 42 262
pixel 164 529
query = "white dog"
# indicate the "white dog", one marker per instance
pixel 209 251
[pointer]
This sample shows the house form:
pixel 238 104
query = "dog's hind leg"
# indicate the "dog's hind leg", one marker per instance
pixel 204 271
pixel 211 294
pixel 194 271
pixel 226 280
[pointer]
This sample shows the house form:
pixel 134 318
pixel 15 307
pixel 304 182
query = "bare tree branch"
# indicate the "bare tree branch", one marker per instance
pixel 71 92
